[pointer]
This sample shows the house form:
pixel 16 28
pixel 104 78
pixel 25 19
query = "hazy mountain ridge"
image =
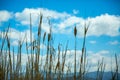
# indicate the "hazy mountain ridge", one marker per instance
pixel 90 76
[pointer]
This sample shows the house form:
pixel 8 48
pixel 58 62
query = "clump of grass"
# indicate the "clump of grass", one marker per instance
pixel 83 55
pixel 100 70
pixel 115 75
pixel 50 70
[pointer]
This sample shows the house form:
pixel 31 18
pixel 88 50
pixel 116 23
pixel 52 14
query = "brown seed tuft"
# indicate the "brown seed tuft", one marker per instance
pixel 44 36
pixel 75 31
pixel 49 36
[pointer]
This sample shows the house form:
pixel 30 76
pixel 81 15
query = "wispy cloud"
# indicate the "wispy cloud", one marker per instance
pixel 92 42
pixel 75 11
pixel 114 42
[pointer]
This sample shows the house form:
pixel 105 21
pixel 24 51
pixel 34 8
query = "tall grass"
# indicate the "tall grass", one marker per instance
pixel 75 33
pixel 35 69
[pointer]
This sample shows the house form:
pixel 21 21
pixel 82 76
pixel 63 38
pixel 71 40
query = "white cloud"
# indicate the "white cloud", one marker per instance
pixel 69 22
pixel 5 16
pixel 66 26
pixel 75 11
pixel 16 35
pixel 24 16
pixel 114 42
pixel 92 59
pixel 63 22
pixel 92 42
pixel 20 35
pixel 14 43
pixel 104 25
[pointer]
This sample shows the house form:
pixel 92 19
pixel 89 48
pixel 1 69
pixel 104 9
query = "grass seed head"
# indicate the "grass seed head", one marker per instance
pixel 44 36
pixel 49 36
pixel 75 31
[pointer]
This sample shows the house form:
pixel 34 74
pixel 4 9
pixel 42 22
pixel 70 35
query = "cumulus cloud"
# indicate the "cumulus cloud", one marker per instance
pixel 104 25
pixel 5 16
pixel 71 21
pixel 63 22
pixel 24 16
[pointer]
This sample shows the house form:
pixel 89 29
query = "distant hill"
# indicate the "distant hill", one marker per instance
pixel 91 76
pixel 106 75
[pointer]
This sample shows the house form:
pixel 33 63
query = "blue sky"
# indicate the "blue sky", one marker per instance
pixel 103 15
pixel 91 7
